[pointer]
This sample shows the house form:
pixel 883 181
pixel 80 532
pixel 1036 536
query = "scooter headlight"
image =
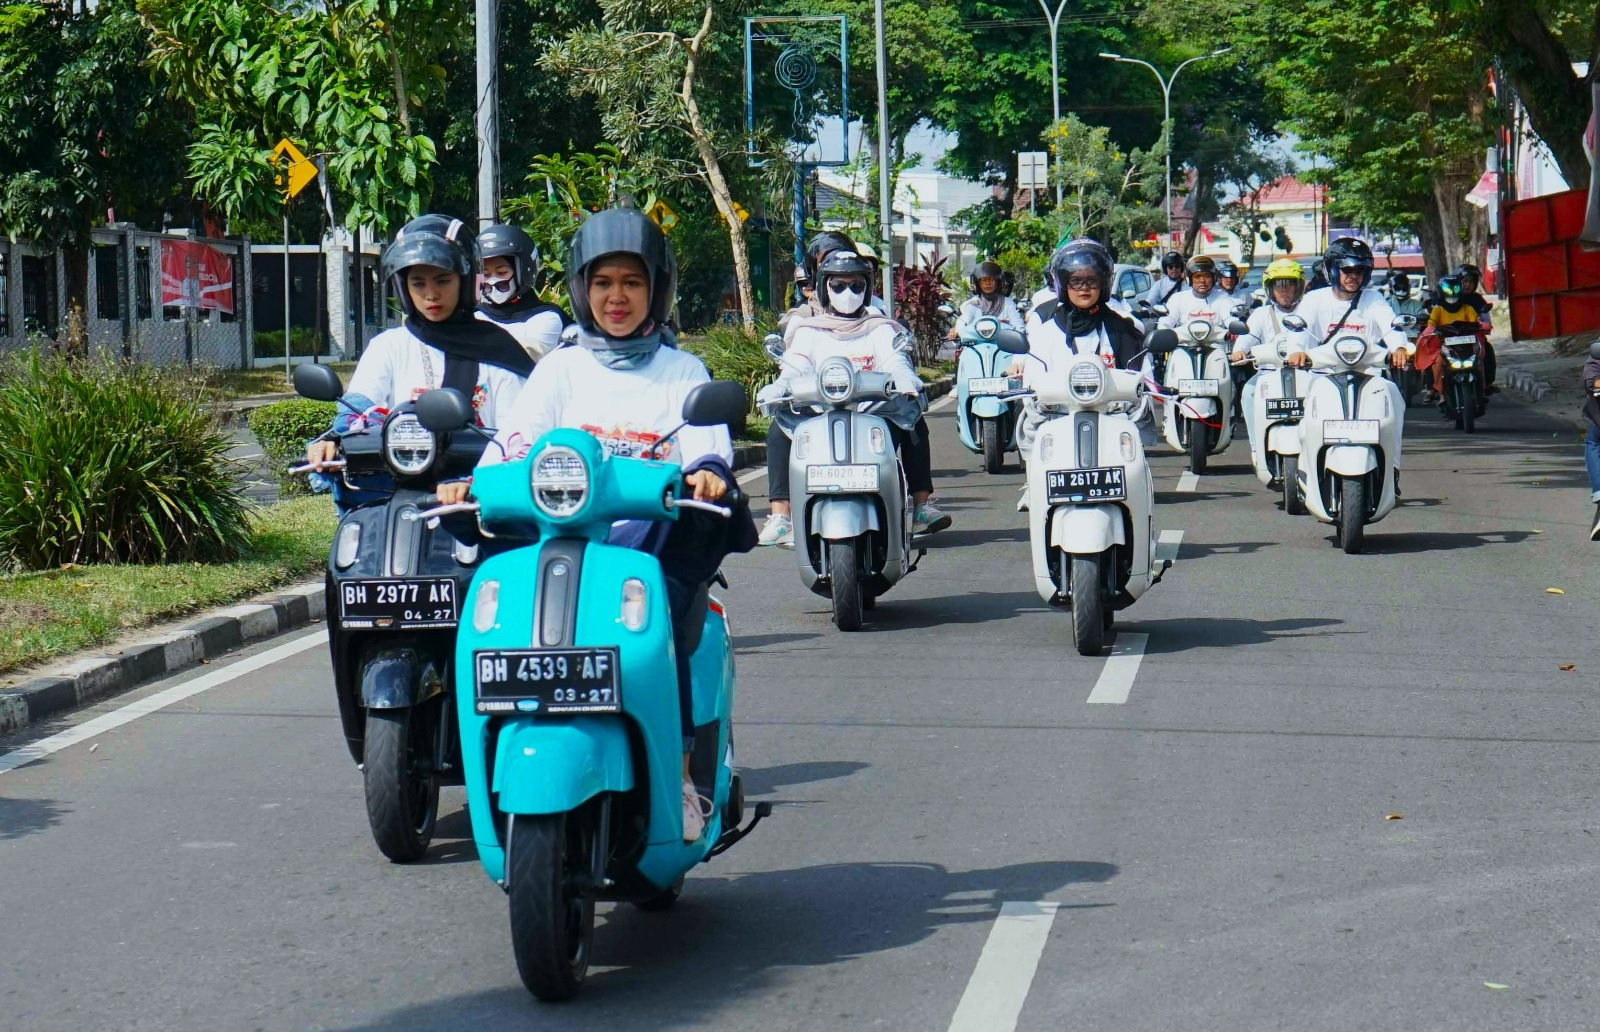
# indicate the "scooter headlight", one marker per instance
pixel 1199 329
pixel 1087 380
pixel 408 446
pixel 560 482
pixel 1351 350
pixel 986 327
pixel 836 379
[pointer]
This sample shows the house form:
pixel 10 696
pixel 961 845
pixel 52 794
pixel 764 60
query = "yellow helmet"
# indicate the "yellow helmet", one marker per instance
pixel 1283 268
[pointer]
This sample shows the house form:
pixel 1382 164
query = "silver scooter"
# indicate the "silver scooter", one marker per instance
pixel 852 532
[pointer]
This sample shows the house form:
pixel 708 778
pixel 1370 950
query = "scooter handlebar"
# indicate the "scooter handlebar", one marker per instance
pixel 332 465
pixel 442 510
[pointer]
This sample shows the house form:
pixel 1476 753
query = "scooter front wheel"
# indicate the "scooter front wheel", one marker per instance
pixel 994 449
pixel 844 574
pixel 1089 610
pixel 1198 451
pixel 1289 470
pixel 1469 409
pixel 552 919
pixel 402 798
pixel 1352 513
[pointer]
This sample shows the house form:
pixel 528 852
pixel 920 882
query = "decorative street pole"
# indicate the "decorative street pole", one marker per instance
pixel 885 212
pixel 1166 100
pixel 1055 77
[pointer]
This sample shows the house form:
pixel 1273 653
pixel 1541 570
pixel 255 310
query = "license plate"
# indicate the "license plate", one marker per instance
pixel 1285 408
pixel 1350 431
pixel 1102 484
pixel 830 479
pixel 1198 388
pixel 400 604
pixel 1462 341
pixel 546 681
pixel 987 385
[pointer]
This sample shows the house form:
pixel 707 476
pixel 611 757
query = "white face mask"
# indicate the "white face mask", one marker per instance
pixel 499 291
pixel 846 302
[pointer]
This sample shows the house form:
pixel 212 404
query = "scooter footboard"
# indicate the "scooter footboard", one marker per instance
pixel 1087 529
pixel 1350 460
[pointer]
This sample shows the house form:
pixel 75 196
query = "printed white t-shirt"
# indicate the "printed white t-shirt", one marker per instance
pixel 397 367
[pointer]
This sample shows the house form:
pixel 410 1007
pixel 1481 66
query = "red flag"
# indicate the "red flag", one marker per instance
pixel 195 276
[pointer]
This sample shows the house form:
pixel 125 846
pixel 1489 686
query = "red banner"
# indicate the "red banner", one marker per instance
pixel 1555 280
pixel 195 276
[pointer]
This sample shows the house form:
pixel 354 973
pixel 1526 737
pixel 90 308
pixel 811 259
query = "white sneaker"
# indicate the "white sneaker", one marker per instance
pixel 777 530
pixel 696 809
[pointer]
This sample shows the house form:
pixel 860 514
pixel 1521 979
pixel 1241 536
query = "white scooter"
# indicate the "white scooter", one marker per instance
pixel 1199 389
pixel 1274 410
pixel 1090 494
pixel 1350 438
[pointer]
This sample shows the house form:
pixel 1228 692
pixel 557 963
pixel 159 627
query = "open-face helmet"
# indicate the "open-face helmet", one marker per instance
pixel 621 231
pixel 437 240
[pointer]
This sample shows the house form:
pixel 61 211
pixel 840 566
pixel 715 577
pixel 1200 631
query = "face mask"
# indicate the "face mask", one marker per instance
pixel 499 292
pixel 846 302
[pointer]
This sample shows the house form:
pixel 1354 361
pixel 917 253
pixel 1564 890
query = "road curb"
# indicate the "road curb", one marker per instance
pixel 84 678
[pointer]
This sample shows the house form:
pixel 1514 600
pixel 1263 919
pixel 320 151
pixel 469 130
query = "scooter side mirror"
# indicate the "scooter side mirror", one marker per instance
pixel 1162 342
pixel 717 403
pixel 946 310
pixel 317 382
pixel 444 410
pixel 1404 322
pixel 1159 310
pixel 1129 294
pixel 1237 328
pixel 772 344
pixel 1295 323
pixel 1010 341
pixel 905 342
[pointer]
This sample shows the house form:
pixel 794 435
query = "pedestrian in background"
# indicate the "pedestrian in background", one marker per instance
pixel 1591 441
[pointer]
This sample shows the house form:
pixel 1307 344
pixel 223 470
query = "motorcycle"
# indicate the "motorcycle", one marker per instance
pixel 1349 438
pixel 1276 406
pixel 1091 498
pixel 393 591
pixel 571 735
pixel 1463 398
pixel 853 531
pixel 986 424
pixel 1199 389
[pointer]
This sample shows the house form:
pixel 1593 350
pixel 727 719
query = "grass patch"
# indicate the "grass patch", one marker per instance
pixel 54 612
pixel 250 383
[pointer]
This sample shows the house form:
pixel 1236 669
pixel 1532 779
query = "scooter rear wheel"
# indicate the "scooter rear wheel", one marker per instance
pixel 994 449
pixel 402 801
pixel 1089 609
pixel 1352 513
pixel 1289 469
pixel 552 919
pixel 844 573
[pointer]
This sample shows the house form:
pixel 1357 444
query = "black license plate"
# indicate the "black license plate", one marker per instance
pixel 1285 408
pixel 1102 484
pixel 413 603
pixel 547 681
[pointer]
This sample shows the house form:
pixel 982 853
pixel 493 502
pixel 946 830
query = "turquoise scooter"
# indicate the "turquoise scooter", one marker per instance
pixel 987 423
pixel 571 739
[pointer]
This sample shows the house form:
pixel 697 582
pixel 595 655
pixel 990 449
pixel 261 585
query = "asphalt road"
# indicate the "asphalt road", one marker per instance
pixel 1210 854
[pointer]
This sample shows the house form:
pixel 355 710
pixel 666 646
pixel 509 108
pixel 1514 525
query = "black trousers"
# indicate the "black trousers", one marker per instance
pixel 916 455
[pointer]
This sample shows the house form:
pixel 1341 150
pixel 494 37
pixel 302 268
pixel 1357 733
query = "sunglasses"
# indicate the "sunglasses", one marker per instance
pixel 840 286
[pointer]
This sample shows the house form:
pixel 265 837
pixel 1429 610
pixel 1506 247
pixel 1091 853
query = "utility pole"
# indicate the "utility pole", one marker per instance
pixel 1166 100
pixel 488 115
pixel 885 211
pixel 1055 78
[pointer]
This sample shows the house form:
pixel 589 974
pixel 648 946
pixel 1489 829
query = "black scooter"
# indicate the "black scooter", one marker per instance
pixel 394 586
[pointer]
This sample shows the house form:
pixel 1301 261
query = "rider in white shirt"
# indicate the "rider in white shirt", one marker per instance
pixel 1170 282
pixel 988 299
pixel 1285 284
pixel 509 293
pixel 1202 300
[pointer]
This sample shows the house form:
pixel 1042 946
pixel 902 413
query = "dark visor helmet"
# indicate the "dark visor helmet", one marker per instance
pixel 1347 253
pixel 436 240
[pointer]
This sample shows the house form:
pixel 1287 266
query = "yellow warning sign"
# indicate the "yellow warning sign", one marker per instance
pixel 302 170
pixel 663 215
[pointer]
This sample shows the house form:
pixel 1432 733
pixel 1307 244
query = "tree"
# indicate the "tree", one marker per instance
pixel 646 81
pixel 1110 195
pixel 84 131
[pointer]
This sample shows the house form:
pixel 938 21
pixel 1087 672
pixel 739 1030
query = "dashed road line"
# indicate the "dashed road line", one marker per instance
pixel 999 984
pixel 1188 483
pixel 1122 666
pixel 1167 544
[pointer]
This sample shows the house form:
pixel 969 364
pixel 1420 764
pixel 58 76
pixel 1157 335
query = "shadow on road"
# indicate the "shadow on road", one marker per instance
pixel 452 841
pixel 1178 498
pixel 732 937
pixel 1413 542
pixel 765 780
pixel 972 608
pixel 1188 552
pixel 747 642
pixel 19 817
pixel 1211 632
pixel 965 538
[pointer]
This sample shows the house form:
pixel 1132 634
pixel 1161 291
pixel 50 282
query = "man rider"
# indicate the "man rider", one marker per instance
pixel 1202 300
pixel 846 327
pixel 509 292
pixel 1471 278
pixel 1170 281
pixel 989 298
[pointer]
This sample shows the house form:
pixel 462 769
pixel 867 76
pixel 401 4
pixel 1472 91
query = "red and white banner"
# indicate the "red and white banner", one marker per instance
pixel 195 276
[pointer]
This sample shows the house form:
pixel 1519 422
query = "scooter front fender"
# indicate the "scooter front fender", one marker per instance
pixel 841 519
pixel 1284 439
pixel 1350 460
pixel 1198 408
pixel 554 766
pixel 1086 529
pixel 399 677
pixel 988 406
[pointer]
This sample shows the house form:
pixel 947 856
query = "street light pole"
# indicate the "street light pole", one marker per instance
pixel 1166 103
pixel 1055 77
pixel 487 115
pixel 885 212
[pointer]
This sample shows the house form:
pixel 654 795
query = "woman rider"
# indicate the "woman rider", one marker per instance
pixel 988 298
pixel 624 382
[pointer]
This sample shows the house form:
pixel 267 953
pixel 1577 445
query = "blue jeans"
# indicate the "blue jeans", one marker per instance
pixel 1591 460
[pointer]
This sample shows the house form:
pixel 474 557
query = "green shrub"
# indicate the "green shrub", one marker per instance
pixel 730 353
pixel 283 428
pixel 306 342
pixel 102 462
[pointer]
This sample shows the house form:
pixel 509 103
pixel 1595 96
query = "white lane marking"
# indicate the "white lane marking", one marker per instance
pixel 1168 543
pixel 249 455
pixel 160 700
pixel 999 984
pixel 1122 666
pixel 1188 482
pixel 948 399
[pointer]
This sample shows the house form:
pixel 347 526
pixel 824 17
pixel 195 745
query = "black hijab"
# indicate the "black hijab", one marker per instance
pixel 467 343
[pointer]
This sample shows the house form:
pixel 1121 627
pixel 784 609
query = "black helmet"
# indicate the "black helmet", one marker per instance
pixel 1347 253
pixel 840 264
pixel 824 244
pixel 988 270
pixel 1400 285
pixel 1079 254
pixel 1466 269
pixel 621 231
pixel 1201 263
pixel 436 240
pixel 1172 260
pixel 1451 287
pixel 1227 269
pixel 503 241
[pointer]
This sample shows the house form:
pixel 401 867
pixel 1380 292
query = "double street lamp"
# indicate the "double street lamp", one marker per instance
pixel 1166 98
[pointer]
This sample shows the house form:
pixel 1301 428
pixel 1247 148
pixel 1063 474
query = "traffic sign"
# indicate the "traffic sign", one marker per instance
pixel 302 170
pixel 1032 170
pixel 663 215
